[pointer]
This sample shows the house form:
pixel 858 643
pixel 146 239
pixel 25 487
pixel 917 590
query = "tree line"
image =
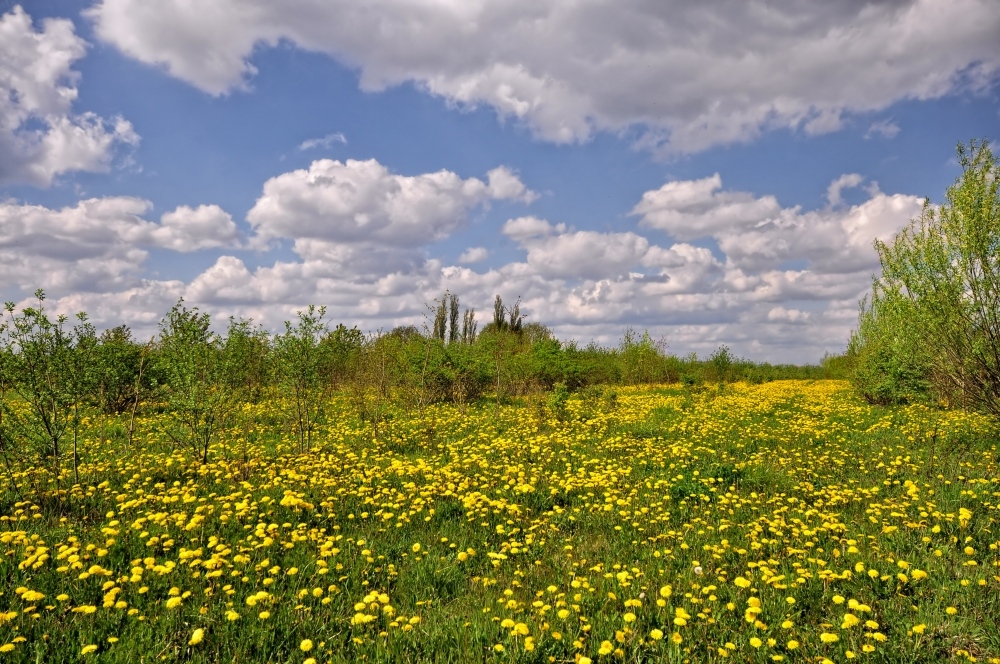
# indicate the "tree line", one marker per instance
pixel 56 372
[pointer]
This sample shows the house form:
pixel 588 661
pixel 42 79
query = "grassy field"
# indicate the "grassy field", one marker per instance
pixel 779 522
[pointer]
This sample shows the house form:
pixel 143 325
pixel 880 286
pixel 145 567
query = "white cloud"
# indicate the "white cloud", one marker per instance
pixel 324 142
pixel 361 202
pixel 883 129
pixel 474 255
pixel 757 233
pixel 40 136
pixel 690 75
pixel 191 229
pixel 846 181
pixel 100 243
pixel 772 282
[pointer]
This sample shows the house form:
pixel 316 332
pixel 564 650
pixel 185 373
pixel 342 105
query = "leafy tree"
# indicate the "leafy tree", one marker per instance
pixel 721 360
pixel 299 355
pixel 940 283
pixel 195 366
pixel 44 371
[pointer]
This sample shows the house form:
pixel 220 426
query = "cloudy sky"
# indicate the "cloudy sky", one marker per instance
pixel 714 172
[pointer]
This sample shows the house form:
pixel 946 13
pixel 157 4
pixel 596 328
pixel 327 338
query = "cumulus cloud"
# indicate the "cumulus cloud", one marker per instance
pixel 705 266
pixel 40 136
pixel 362 202
pixel 99 244
pixel 756 233
pixel 689 75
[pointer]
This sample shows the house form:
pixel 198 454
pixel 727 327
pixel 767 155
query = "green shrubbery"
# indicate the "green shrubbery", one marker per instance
pixel 931 328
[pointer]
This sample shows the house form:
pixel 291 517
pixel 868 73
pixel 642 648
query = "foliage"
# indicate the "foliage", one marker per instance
pixel 196 366
pixel 299 358
pixel 45 377
pixel 934 314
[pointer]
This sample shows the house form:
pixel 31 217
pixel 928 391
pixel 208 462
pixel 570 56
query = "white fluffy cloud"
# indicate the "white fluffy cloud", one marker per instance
pixel 756 233
pixel 692 75
pixel 716 266
pixel 40 136
pixel 333 205
pixel 99 244
pixel 474 255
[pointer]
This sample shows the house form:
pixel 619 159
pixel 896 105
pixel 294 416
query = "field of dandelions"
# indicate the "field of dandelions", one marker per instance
pixel 784 522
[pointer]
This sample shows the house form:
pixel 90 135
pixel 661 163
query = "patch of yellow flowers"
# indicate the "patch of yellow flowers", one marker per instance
pixel 778 522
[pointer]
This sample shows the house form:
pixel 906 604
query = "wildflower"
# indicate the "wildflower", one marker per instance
pixel 656 634
pixel 306 645
pixel 86 650
pixel 196 637
pixel 756 643
pixel 827 637
pixel 792 644
pixel 919 629
pixel 173 602
pixel 677 638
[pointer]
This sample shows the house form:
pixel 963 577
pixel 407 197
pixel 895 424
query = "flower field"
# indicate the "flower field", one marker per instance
pixel 786 521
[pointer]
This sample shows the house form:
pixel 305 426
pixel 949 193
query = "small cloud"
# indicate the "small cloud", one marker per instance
pixel 846 181
pixel 825 122
pixel 325 142
pixel 883 129
pixel 473 255
pixel 780 314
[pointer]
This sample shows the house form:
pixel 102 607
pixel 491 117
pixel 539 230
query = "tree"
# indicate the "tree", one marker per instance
pixel 44 369
pixel 299 355
pixel 195 366
pixel 940 284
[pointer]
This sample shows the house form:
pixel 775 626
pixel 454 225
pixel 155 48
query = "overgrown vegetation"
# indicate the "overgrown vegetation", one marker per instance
pixel 931 328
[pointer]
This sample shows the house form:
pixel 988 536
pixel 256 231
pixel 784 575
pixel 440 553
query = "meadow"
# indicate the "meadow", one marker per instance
pixel 786 521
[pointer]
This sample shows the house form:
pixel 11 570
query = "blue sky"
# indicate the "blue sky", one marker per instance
pixel 663 168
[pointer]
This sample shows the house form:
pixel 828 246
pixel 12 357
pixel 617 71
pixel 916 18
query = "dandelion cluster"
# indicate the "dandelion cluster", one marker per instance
pixel 778 522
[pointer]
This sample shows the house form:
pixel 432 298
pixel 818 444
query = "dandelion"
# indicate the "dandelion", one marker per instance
pixel 196 637
pixel 656 634
pixel 306 645
pixel 86 650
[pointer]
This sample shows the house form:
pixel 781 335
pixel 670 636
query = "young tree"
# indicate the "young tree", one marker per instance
pixel 941 279
pixel 299 356
pixel 195 369
pixel 44 373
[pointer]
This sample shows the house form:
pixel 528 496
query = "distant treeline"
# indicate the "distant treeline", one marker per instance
pixel 450 360
pixel 58 376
